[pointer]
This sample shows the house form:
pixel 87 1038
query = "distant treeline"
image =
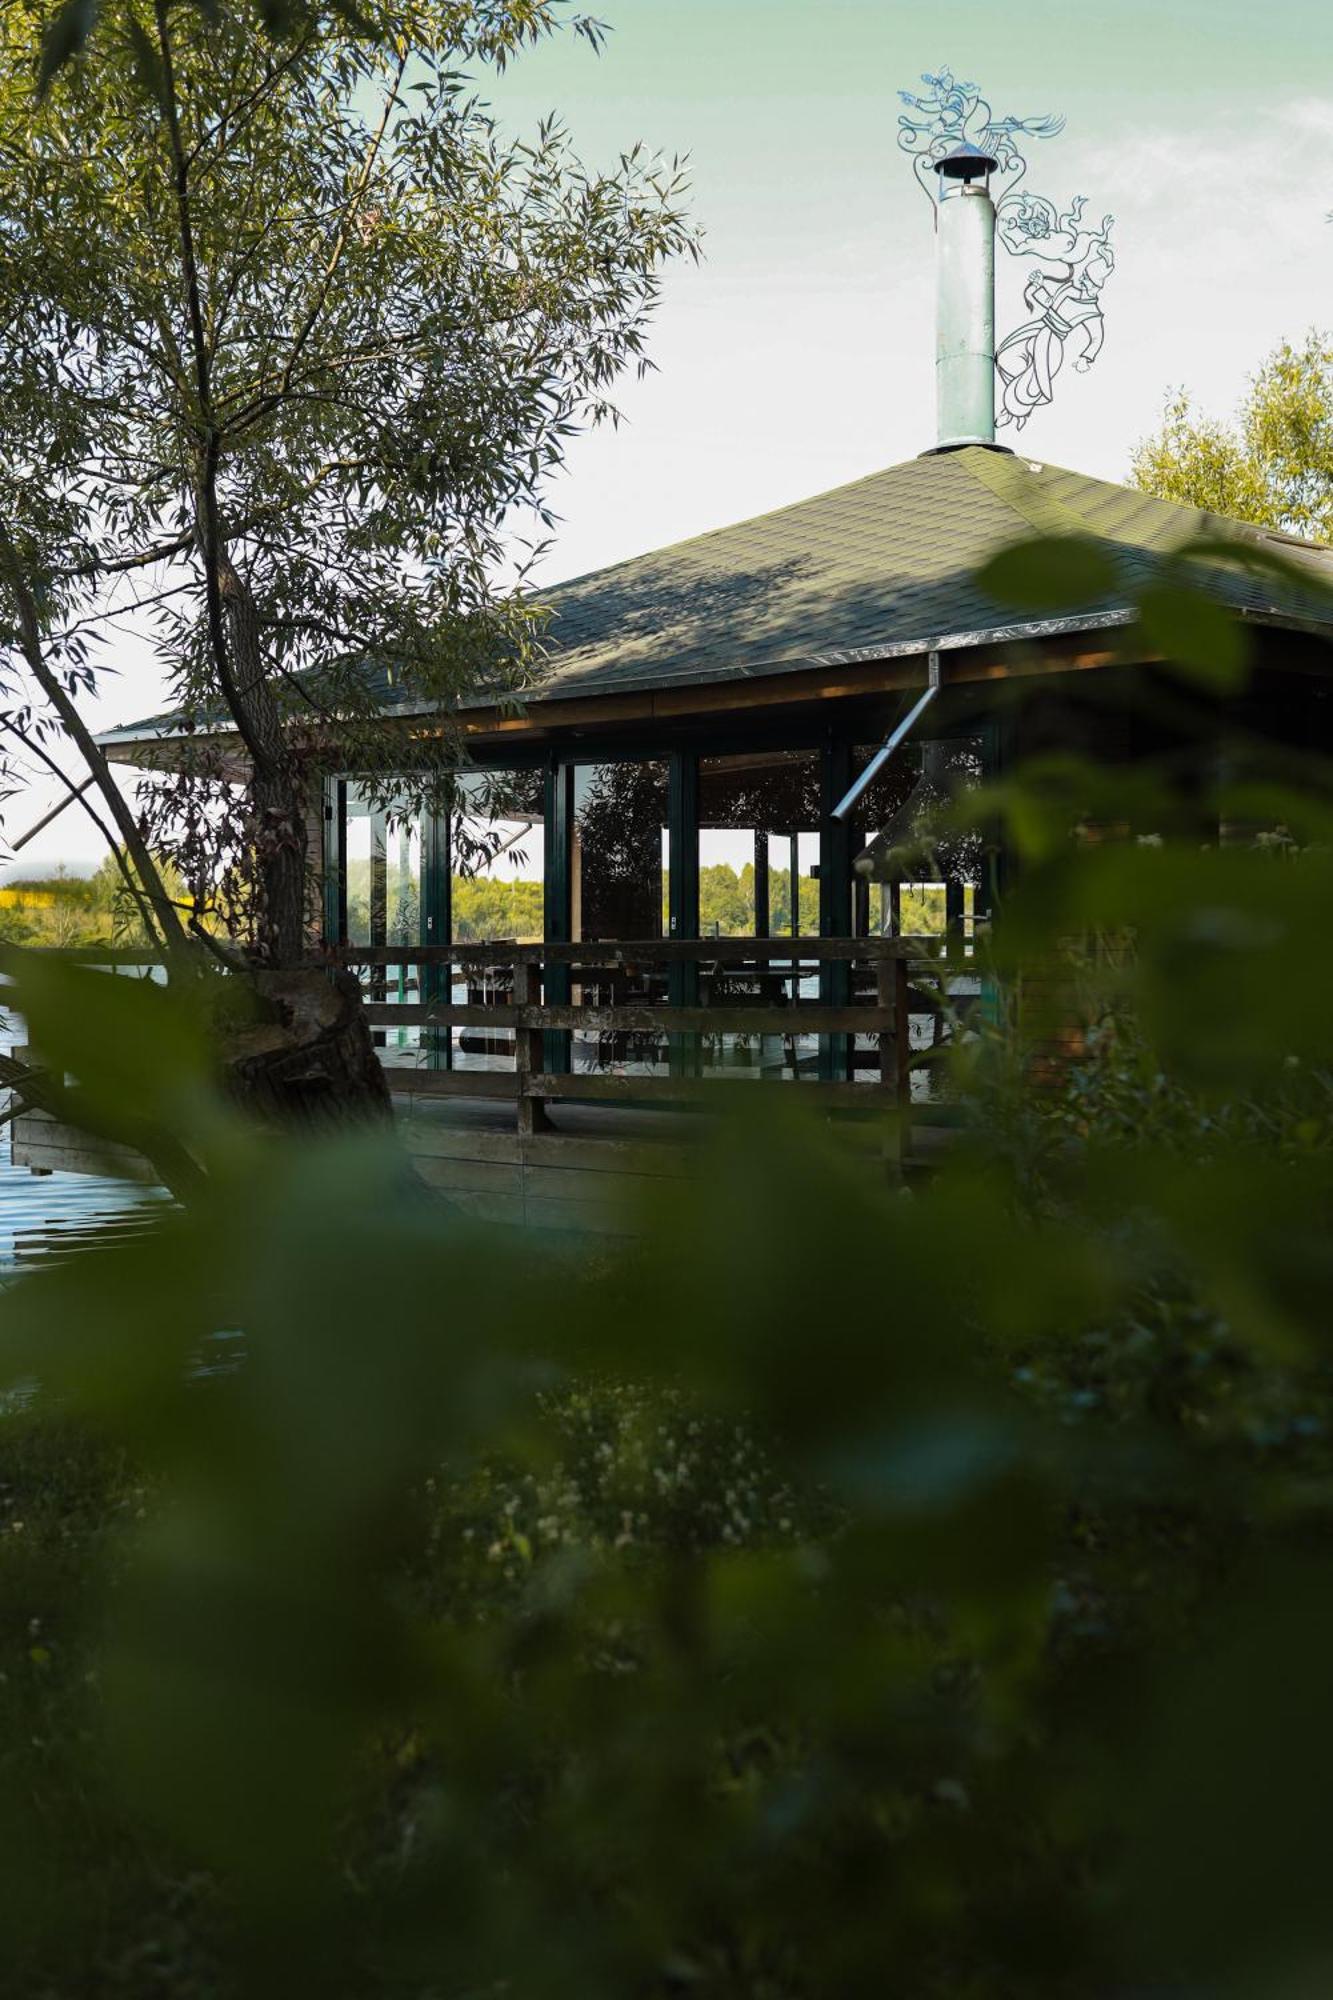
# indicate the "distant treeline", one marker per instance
pixel 492 907
pixel 65 910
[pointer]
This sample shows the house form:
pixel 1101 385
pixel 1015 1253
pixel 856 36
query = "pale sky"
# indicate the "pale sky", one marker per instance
pixel 800 354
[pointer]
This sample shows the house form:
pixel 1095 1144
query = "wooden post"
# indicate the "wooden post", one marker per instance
pixel 529 1045
pixel 886 999
pixel 902 1040
pixel 437 980
pixel 837 1053
pixel 683 1051
pixel 891 997
pixel 761 917
pixel 955 906
pixel 335 861
pixel 379 912
pixel 558 835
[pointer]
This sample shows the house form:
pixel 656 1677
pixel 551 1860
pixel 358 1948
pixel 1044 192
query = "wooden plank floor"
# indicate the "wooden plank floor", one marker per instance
pixel 589 1173
pixel 44 1145
pixel 593 1172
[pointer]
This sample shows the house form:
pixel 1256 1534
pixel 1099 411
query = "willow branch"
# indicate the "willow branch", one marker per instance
pixel 311 319
pixel 78 795
pixel 172 936
pixel 208 529
pixel 42 1090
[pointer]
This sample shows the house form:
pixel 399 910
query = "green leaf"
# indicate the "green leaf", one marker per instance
pixel 281 18
pixel 65 35
pixel 147 60
pixel 138 1051
pixel 1057 573
pixel 1196 635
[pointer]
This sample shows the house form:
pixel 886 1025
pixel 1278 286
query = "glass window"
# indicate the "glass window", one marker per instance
pixel 383 881
pixel 618 870
pixel 619 887
pixel 759 820
pixel 919 892
pixel 910 896
pixel 759 817
pixel 497 874
pixel 497 857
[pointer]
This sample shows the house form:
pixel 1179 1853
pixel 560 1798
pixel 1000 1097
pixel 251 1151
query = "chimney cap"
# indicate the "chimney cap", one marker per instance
pixel 965 163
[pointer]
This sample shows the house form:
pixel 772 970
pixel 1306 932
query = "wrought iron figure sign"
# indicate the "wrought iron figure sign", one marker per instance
pixel 1072 258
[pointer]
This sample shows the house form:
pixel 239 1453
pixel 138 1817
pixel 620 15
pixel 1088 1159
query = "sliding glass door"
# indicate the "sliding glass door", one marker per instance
pixel 381 893
pixel 630 850
pixel 759 837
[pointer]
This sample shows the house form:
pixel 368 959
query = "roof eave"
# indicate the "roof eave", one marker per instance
pixel 133 736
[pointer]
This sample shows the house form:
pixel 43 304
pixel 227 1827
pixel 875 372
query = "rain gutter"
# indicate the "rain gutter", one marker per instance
pixel 894 741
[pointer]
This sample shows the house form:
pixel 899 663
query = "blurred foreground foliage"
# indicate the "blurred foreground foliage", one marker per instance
pixel 842 1590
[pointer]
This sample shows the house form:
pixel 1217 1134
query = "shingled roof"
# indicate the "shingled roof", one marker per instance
pixel 880 567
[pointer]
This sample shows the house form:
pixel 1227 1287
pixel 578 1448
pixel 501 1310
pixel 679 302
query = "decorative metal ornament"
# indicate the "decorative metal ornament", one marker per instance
pixel 1073 259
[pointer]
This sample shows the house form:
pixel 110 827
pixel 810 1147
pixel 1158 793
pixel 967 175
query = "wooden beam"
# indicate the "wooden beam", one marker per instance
pixel 501 1083
pixel 528 1044
pixel 649 951
pixel 805 1017
pixel 711 1091
pixel 1002 659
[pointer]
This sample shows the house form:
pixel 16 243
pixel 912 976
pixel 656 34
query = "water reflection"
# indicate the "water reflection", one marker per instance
pixel 619 889
pixel 42 1215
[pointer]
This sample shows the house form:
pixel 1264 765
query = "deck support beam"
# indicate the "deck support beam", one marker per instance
pixel 835 900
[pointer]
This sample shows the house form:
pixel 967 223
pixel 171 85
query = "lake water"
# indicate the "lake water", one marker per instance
pixel 43 1213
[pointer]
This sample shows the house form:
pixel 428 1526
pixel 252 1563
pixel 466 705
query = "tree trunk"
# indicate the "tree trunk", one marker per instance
pixel 277 802
pixel 277 791
pixel 312 1063
pixel 155 906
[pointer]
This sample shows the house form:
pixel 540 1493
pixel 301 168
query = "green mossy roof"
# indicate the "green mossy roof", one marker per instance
pixel 885 565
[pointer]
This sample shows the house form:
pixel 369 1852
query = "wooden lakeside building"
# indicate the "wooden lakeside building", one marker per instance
pixel 706 709
pixel 686 885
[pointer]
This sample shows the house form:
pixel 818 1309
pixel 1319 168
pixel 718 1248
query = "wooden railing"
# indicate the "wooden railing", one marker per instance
pixel 669 1029
pixel 542 1004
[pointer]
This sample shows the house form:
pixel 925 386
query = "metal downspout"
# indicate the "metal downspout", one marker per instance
pixel 899 736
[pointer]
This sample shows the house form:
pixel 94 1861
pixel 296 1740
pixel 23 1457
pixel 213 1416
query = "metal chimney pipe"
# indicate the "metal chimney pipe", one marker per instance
pixel 965 300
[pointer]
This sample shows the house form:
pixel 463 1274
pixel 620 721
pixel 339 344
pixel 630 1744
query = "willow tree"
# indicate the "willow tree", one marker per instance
pixel 289 331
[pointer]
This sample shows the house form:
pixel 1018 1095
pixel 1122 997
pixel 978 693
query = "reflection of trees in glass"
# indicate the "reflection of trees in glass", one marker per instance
pixel 404 920
pixel 775 791
pixel 895 811
pixel 498 814
pixel 496 837
pixel 889 791
pixel 403 906
pixel 948 768
pixel 726 901
pixel 620 814
pixel 484 908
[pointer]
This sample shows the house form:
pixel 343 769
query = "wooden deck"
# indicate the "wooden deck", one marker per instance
pixel 595 1169
pixel 45 1146
pixel 586 1149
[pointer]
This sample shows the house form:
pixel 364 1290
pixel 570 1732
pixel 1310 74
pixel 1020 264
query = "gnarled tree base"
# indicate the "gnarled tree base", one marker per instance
pixel 311 1061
